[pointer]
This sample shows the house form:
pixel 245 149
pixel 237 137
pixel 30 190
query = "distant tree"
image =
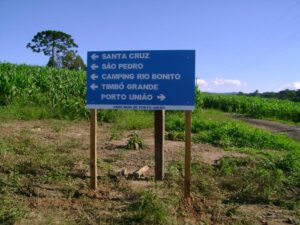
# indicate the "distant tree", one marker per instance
pixel 54 44
pixel 291 95
pixel 255 93
pixel 72 61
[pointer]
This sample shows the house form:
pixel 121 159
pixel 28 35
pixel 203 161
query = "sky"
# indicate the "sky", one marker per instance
pixel 241 45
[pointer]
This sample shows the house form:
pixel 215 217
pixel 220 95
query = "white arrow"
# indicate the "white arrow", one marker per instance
pixel 94 56
pixel 161 97
pixel 94 66
pixel 93 86
pixel 94 76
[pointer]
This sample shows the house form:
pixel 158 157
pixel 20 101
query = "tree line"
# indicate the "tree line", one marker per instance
pixel 60 47
pixel 292 95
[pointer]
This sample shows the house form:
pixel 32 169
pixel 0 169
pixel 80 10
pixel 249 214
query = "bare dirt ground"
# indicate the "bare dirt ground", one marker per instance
pixel 290 130
pixel 53 203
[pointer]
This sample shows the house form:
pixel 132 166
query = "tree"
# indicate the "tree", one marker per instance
pixel 54 44
pixel 255 93
pixel 72 61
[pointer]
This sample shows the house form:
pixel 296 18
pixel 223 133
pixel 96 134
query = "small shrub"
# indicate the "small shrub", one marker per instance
pixel 135 142
pixel 150 209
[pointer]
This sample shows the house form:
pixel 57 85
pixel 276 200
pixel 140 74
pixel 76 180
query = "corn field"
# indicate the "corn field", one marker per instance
pixel 59 89
pixel 64 91
pixel 255 107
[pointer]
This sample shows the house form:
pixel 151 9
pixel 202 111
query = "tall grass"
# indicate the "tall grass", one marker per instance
pixel 213 127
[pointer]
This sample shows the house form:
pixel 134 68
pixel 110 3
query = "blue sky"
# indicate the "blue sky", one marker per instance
pixel 241 45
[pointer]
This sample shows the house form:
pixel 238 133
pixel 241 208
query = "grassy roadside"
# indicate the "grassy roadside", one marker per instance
pixel 44 180
pixel 271 156
pixel 35 175
pixel 47 182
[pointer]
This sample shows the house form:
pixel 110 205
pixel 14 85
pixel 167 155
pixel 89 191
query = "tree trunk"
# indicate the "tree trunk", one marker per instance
pixel 53 51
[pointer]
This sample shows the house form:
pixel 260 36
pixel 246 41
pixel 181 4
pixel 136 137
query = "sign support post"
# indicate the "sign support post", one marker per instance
pixel 156 80
pixel 93 150
pixel 187 161
pixel 159 137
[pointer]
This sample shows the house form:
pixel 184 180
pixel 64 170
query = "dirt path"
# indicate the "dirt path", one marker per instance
pixel 276 127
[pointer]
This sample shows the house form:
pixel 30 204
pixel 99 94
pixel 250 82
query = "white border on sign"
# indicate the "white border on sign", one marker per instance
pixel 142 107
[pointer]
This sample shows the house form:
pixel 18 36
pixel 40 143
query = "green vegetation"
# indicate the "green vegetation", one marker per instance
pixel 10 211
pixel 252 106
pixel 45 166
pixel 150 209
pixel 255 180
pixel 127 119
pixel 54 178
pixel 35 92
pixel 40 92
pixel 291 95
pixel 27 166
pixel 209 126
pixel 135 142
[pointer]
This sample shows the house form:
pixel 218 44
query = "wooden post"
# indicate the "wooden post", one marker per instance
pixel 93 153
pixel 159 137
pixel 187 161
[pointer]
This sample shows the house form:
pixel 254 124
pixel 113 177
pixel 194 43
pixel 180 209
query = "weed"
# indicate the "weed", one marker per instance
pixel 204 181
pixel 252 181
pixel 5 147
pixel 174 174
pixel 58 125
pixel 115 135
pixel 150 209
pixel 174 136
pixel 10 212
pixel 135 142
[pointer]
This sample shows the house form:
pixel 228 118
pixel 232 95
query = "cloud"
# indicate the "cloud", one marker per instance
pixel 292 86
pixel 201 83
pixel 220 85
pixel 296 85
pixel 222 82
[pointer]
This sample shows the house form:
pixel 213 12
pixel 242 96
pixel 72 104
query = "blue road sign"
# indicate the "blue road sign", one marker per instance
pixel 141 80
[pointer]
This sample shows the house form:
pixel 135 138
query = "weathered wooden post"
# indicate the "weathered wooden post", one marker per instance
pixel 159 139
pixel 93 149
pixel 187 161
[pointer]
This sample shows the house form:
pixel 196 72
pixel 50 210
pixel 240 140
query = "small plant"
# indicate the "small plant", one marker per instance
pixel 135 142
pixel 10 212
pixel 150 209
pixel 115 135
pixel 175 136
